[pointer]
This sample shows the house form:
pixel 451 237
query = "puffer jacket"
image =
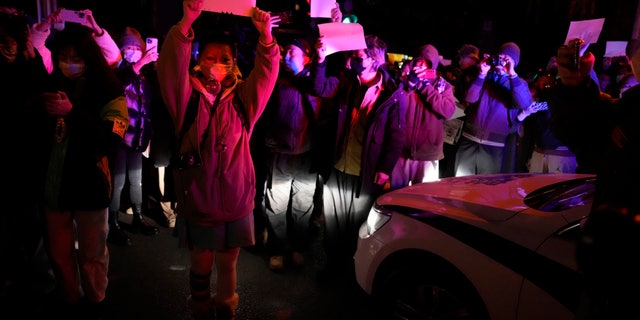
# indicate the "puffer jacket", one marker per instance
pixel 222 188
pixel 139 132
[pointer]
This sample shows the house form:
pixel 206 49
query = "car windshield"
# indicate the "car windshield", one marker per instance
pixel 562 196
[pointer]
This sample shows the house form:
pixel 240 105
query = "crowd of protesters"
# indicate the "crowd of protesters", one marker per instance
pixel 279 144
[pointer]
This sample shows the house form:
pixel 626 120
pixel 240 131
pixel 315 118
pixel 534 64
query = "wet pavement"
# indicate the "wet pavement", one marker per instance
pixel 149 280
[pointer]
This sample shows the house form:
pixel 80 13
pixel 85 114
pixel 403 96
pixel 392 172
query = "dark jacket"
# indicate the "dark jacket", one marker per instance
pixel 385 130
pixel 581 123
pixel 79 176
pixel 292 113
pixel 20 86
pixel 138 95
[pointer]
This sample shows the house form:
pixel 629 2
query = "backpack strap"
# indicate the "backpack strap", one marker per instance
pixel 239 106
pixel 189 116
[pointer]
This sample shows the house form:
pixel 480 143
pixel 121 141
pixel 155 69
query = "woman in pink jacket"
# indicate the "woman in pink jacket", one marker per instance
pixel 215 179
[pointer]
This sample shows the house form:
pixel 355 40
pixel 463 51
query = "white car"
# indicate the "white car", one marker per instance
pixel 499 247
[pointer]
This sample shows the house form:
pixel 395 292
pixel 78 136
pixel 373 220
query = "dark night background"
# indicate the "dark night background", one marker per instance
pixel 537 26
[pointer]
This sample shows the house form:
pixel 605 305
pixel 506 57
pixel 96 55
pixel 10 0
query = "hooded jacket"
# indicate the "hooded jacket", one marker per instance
pixel 222 188
pixel 428 107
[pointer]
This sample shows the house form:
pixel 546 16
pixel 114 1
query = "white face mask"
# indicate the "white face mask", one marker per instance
pixel 72 70
pixel 132 56
pixel 217 71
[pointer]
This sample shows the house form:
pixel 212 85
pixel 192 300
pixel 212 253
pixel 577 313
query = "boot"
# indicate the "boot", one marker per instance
pixel 116 235
pixel 226 308
pixel 200 301
pixel 201 310
pixel 139 224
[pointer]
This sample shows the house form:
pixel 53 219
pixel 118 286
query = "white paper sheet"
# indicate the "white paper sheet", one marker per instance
pixel 340 36
pixel 615 49
pixel 321 8
pixel 236 7
pixel 587 30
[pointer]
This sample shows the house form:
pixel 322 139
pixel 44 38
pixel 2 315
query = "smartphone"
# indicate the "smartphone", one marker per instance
pixel 152 44
pixel 72 16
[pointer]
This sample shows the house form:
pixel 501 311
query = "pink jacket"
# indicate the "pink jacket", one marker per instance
pixel 222 188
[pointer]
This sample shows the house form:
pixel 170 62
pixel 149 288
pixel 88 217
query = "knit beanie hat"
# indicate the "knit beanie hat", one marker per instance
pixel 512 50
pixel 429 53
pixel 303 45
pixel 131 37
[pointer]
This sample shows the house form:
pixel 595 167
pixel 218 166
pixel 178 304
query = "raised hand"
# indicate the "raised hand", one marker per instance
pixel 336 14
pixel 321 49
pixel 191 11
pixel 91 23
pixel 264 23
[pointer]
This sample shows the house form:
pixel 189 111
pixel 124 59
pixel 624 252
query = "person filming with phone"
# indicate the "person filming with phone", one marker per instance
pixel 496 97
pixel 430 103
pixel 135 145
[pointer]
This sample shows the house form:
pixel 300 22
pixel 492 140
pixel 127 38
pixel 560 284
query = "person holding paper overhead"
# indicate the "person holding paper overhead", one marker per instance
pixel 609 242
pixel 214 112
pixel 368 123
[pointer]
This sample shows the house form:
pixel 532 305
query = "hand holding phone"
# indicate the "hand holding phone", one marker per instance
pixel 152 48
pixel 74 16
pixel 152 45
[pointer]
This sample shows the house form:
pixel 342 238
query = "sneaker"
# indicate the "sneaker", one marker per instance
pixel 297 258
pixel 276 263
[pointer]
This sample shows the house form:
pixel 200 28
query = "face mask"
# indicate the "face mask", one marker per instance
pixel 356 65
pixel 217 71
pixel 72 70
pixel 132 56
pixel 9 51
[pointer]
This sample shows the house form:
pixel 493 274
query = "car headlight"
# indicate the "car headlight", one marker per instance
pixel 378 217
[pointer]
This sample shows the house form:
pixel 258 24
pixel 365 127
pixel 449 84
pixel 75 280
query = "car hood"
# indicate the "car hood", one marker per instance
pixel 492 197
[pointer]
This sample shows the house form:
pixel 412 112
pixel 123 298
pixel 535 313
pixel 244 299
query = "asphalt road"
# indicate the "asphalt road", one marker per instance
pixel 149 280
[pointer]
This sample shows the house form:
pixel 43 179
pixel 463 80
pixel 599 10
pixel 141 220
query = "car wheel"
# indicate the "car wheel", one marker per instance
pixel 422 292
